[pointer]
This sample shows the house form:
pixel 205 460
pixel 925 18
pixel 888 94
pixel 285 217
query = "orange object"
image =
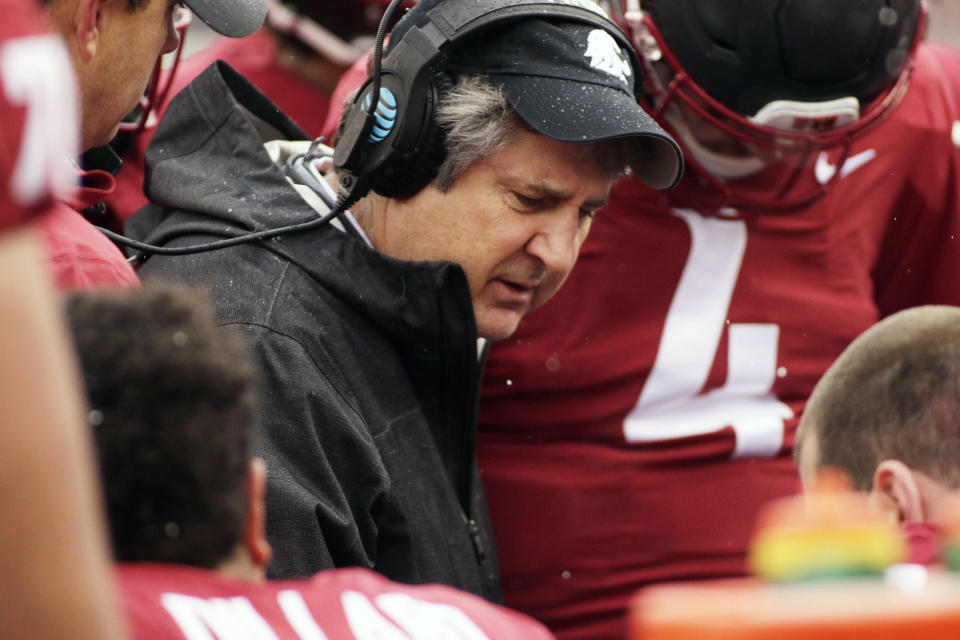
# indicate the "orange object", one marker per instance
pixel 831 531
pixel 849 609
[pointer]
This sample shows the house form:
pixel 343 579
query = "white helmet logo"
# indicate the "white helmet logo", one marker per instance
pixel 605 54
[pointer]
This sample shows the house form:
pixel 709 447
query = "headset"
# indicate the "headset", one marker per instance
pixel 389 140
pixel 399 150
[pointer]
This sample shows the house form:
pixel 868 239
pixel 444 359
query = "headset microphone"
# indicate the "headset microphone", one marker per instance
pixel 266 234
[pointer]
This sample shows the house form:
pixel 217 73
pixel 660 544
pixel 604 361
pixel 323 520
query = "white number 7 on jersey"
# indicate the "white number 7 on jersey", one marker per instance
pixel 671 405
pixel 35 73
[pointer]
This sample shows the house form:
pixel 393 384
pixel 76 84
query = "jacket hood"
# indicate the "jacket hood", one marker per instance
pixel 246 191
pixel 208 177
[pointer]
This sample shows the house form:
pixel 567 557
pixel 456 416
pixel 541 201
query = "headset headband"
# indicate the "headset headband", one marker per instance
pixel 396 150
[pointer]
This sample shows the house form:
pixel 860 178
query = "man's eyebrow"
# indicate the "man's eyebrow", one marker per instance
pixel 550 191
pixel 593 205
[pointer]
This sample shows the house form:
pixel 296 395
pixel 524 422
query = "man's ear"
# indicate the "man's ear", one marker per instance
pixel 255 538
pixel 89 22
pixel 896 493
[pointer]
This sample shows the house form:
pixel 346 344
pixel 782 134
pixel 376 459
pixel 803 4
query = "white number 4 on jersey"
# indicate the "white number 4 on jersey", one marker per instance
pixel 671 404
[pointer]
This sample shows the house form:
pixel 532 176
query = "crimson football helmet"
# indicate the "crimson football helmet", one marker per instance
pixel 755 89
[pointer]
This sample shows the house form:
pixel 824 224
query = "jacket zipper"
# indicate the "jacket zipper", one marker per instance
pixel 473 529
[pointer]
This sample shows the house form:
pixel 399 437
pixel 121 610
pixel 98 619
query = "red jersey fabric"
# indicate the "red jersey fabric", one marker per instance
pixel 38 120
pixel 632 427
pixel 255 58
pixel 168 602
pixel 79 255
pixel 38 135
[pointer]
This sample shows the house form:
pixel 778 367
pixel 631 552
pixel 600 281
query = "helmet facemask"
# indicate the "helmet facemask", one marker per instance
pixel 757 147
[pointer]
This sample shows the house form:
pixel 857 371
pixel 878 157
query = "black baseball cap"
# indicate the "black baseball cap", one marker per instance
pixel 573 82
pixel 233 18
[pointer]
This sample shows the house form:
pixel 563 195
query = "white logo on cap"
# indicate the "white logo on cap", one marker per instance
pixel 605 54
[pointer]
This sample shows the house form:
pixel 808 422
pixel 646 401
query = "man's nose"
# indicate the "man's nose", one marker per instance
pixel 556 241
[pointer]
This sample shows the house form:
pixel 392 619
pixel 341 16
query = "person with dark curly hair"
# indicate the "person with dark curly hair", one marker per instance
pixel 171 406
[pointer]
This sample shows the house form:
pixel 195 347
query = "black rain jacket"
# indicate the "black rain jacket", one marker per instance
pixel 369 366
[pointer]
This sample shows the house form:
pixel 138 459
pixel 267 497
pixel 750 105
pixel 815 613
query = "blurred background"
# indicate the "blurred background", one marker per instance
pixel 944 26
pixel 944 21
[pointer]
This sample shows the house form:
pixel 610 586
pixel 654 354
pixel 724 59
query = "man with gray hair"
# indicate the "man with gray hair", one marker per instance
pixel 472 161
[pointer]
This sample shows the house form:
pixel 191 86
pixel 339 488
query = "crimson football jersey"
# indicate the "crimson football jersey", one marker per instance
pixel 175 602
pixel 632 427
pixel 38 118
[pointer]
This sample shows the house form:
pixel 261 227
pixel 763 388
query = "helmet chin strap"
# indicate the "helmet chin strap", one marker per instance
pixel 786 115
pixel 793 115
pixel 720 165
pixel 722 170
